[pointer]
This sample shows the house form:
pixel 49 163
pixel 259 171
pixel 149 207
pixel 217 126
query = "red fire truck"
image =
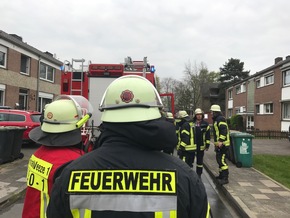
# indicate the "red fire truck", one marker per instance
pixel 92 83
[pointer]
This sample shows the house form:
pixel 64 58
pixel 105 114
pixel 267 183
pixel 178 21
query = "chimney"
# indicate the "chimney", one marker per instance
pixel 48 53
pixel 278 59
pixel 16 36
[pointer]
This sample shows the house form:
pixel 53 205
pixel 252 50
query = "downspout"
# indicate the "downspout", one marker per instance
pixel 37 84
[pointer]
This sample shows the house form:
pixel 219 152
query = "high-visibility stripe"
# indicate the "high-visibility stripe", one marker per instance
pixel 158 215
pixel 76 213
pixel 88 214
pixel 166 214
pixel 225 166
pixel 208 210
pixel 217 136
pixel 42 203
pixel 134 203
pixel 191 146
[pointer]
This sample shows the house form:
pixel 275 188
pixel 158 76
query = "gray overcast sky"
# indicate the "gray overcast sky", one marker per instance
pixel 169 32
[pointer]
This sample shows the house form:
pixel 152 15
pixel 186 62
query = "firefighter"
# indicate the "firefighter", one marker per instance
pixel 128 175
pixel 181 118
pixel 187 146
pixel 60 141
pixel 201 134
pixel 221 142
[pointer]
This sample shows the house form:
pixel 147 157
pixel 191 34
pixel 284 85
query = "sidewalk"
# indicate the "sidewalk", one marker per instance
pixel 252 193
pixel 12 180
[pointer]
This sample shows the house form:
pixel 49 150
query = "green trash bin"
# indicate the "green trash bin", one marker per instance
pixel 243 149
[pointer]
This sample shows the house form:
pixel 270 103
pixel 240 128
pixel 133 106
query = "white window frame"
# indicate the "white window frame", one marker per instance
pixel 44 97
pixel 258 83
pixel 258 109
pixel 243 87
pixel 286 110
pixel 269 79
pixel 2 94
pixel 25 63
pixel 3 53
pixel 286 77
pixel 45 70
pixel 268 108
pixel 238 89
pixel 230 94
pixel 230 113
pixel 243 109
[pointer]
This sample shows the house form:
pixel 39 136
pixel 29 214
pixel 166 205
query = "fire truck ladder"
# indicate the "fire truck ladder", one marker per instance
pixel 77 76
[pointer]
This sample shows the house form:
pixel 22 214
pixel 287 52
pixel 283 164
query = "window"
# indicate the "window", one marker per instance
pixel 258 83
pixel 243 109
pixel 269 79
pixel 16 117
pixel 286 110
pixel 237 111
pixel 238 89
pixel 230 113
pixel 43 102
pixel 46 72
pixel 268 108
pixel 3 56
pixel 23 99
pixel 257 109
pixel 2 90
pixel 25 64
pixel 44 98
pixel 230 94
pixel 243 87
pixel 286 77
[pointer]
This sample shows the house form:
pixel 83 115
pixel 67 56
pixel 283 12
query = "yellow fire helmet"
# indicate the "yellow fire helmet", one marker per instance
pixel 66 113
pixel 198 111
pixel 130 98
pixel 169 115
pixel 182 114
pixel 215 107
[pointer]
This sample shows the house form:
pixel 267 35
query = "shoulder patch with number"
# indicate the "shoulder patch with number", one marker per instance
pixel 38 173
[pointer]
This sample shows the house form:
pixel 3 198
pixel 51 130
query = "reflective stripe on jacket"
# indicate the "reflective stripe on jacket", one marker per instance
pixel 221 131
pixel 188 135
pixel 41 169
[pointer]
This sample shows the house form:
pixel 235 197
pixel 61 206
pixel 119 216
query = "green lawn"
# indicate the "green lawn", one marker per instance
pixel 275 166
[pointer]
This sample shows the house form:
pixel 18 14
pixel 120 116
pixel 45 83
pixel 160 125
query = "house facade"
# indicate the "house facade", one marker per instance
pixel 29 78
pixel 263 99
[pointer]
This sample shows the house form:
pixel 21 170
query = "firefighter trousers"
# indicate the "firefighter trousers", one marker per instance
pixel 222 163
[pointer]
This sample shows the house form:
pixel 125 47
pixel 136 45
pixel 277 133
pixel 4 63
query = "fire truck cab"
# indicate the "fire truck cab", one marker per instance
pixel 93 81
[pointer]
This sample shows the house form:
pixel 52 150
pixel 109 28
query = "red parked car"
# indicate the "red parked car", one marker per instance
pixel 20 118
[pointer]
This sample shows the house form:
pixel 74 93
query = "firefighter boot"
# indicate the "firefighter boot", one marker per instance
pixel 224 177
pixel 219 176
pixel 223 181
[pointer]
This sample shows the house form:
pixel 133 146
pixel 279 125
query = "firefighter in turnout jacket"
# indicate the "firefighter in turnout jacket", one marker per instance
pixel 183 130
pixel 60 140
pixel 129 176
pixel 201 134
pixel 221 142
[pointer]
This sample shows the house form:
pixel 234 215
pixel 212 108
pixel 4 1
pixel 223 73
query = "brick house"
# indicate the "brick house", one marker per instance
pixel 263 99
pixel 29 78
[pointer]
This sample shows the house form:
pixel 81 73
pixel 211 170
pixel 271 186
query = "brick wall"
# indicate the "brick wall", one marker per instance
pixel 267 94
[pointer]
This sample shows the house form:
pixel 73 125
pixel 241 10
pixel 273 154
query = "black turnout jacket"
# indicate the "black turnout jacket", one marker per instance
pixel 129 176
